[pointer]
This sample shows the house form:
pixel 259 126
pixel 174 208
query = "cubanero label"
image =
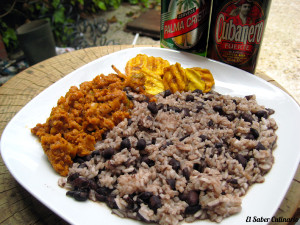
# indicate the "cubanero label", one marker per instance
pixel 238 31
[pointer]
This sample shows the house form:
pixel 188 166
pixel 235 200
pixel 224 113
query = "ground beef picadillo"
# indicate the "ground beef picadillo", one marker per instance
pixel 82 116
pixel 188 156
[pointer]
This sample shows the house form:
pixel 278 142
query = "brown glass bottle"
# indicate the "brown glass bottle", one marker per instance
pixel 236 31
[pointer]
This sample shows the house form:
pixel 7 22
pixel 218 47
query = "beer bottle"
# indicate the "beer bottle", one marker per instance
pixel 236 31
pixel 184 25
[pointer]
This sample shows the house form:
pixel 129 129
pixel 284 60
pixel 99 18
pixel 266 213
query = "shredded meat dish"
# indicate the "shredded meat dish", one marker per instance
pixel 83 116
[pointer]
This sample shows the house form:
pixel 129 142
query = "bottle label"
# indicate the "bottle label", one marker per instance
pixel 184 24
pixel 238 31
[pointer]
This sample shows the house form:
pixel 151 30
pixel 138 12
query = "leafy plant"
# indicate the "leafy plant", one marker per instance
pixel 9 36
pixel 58 12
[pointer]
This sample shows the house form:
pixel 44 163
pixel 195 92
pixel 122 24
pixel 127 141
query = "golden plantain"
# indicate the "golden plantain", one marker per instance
pixel 174 78
pixel 150 68
pixel 206 76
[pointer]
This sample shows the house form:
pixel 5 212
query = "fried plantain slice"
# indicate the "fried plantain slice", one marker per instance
pixel 150 69
pixel 146 63
pixel 206 76
pixel 194 80
pixel 174 78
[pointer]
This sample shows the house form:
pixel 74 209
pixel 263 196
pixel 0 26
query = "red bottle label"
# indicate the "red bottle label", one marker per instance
pixel 184 23
pixel 239 29
pixel 236 32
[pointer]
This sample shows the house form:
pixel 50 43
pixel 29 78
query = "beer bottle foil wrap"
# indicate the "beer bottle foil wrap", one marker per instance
pixel 236 32
pixel 185 24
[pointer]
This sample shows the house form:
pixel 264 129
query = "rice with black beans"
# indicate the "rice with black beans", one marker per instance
pixel 188 156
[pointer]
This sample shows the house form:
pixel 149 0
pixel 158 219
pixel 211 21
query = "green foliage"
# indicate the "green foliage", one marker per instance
pixel 57 13
pixel 9 36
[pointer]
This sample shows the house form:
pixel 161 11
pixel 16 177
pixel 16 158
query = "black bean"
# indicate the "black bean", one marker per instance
pixel 248 97
pixel 141 144
pixel 186 112
pixel 100 198
pixel 250 136
pixel 199 166
pixel 247 117
pixel 172 183
pixel 218 109
pixel 192 209
pixel 199 108
pixel 254 132
pixel 149 118
pixel 167 93
pixel 72 177
pixel 152 107
pixel 198 91
pixel 96 152
pixel 108 153
pixel 175 164
pixel 235 102
pixel 160 106
pixel 230 116
pixel 103 136
pixel 125 143
pixel 203 137
pixel 129 121
pixel 209 98
pixel 78 195
pixel 148 161
pixel 145 196
pixel 111 203
pixel 103 191
pixel 81 183
pixel 270 111
pixel 169 143
pixel 78 160
pixel 153 140
pixel 262 113
pixel 130 97
pixel 260 146
pixel 210 123
pixel 183 196
pixel 242 160
pixel 130 202
pixel 232 181
pixel 219 145
pixel 87 158
pixel 93 185
pixel 189 98
pixel 176 109
pixel 186 173
pixel 237 137
pixel 155 202
pixel 192 198
pixel 184 137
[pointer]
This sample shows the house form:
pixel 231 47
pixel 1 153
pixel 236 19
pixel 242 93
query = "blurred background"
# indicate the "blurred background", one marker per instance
pixel 75 24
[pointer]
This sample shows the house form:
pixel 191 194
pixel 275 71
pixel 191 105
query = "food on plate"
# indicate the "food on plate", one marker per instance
pixel 150 69
pixel 159 75
pixel 188 156
pixel 197 76
pixel 82 117
pixel 157 144
pixel 174 78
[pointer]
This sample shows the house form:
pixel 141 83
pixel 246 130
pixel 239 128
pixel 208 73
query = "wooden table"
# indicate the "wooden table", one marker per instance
pixel 17 206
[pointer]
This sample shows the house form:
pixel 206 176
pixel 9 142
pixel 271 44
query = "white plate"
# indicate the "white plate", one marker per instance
pixel 24 157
